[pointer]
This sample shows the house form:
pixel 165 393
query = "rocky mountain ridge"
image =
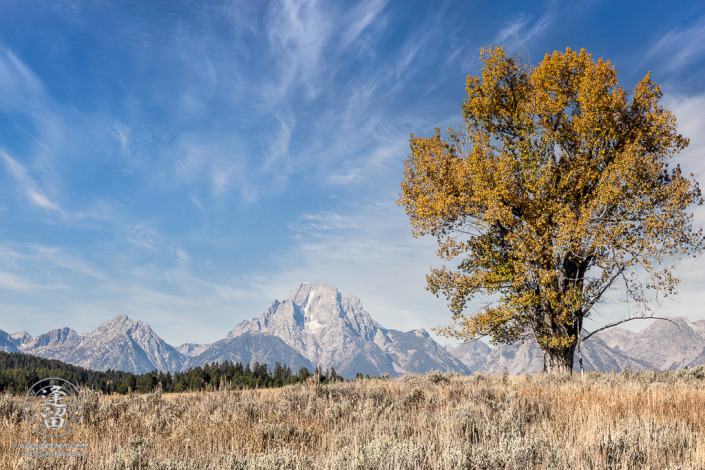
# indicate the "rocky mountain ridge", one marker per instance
pixel 119 344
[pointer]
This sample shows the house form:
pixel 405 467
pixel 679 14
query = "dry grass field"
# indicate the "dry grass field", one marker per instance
pixel 653 420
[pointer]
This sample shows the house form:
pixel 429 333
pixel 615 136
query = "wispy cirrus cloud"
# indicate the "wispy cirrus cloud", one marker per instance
pixel 524 28
pixel 375 162
pixel 359 134
pixel 24 99
pixel 359 19
pixel 680 47
pixel 20 86
pixel 28 186
pixel 212 168
pixel 166 297
pixel 277 155
pixel 35 268
pixel 298 34
pixel 14 282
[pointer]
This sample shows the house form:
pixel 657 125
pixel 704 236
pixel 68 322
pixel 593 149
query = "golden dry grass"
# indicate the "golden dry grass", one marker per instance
pixel 631 421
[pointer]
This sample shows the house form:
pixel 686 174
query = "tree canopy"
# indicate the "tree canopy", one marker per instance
pixel 558 188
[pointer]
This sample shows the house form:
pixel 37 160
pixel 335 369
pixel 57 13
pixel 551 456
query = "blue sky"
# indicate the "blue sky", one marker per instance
pixel 186 163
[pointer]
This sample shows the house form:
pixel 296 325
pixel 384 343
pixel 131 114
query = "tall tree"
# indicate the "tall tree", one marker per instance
pixel 557 189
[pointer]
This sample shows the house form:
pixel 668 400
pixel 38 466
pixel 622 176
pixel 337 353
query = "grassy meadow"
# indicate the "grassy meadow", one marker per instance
pixel 648 420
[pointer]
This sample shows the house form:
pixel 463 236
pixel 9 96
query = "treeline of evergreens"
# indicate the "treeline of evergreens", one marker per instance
pixel 18 372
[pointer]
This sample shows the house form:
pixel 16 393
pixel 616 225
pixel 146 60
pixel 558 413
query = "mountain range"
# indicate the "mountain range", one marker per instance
pixel 316 326
pixel 664 345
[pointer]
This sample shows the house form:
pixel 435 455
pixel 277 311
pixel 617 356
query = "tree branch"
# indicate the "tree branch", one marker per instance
pixel 629 319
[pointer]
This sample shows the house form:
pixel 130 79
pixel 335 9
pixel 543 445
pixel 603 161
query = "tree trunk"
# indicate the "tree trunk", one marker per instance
pixel 560 361
pixel 580 358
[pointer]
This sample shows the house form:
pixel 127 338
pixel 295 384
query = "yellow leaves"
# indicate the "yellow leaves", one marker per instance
pixel 556 187
pixel 433 186
pixel 556 343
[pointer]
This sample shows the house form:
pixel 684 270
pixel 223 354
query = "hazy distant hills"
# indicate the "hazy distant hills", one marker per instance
pixel 318 326
pixel 664 345
pixel 528 357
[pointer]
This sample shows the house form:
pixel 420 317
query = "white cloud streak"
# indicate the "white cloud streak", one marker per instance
pixel 360 18
pixel 680 47
pixel 28 186
pixel 298 33
pixel 20 86
pixel 521 31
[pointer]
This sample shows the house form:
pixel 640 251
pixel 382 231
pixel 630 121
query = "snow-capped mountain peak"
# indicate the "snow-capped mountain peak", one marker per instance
pixel 333 330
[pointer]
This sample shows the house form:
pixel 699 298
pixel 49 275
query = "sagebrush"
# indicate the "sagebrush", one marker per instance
pixel 438 421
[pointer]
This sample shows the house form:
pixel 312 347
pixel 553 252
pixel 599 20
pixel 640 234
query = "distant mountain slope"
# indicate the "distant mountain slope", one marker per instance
pixel 8 343
pixel 664 345
pixel 519 357
pixel 415 351
pixel 617 338
pixel 598 356
pixel 473 354
pixel 21 337
pixel 192 349
pixel 251 348
pixel 56 344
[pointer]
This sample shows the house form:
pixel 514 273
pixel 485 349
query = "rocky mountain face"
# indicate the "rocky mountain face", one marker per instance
pixel 8 343
pixel 473 354
pixel 192 349
pixel 56 344
pixel 250 348
pixel 332 330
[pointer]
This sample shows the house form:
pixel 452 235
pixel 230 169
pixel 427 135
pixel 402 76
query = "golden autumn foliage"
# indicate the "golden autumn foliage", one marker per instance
pixel 557 189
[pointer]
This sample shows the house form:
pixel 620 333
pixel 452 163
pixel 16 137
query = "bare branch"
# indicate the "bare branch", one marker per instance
pixel 626 320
